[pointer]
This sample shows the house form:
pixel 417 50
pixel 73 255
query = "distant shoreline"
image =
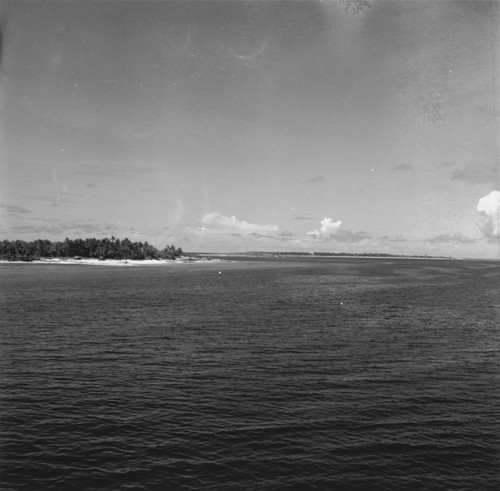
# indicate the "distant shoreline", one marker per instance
pixel 285 255
pixel 210 258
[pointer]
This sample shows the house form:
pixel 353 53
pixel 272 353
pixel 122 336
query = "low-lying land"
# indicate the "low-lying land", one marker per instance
pixel 86 249
pixel 272 255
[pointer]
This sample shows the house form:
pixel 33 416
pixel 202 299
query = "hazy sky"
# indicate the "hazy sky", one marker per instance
pixel 233 125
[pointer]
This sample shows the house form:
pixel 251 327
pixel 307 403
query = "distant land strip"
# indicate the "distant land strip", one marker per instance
pixel 268 254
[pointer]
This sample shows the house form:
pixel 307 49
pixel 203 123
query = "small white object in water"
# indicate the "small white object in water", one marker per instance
pixel 220 272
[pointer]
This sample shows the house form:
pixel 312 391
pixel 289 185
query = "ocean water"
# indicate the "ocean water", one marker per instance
pixel 309 373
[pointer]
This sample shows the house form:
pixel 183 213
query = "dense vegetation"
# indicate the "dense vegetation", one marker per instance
pixel 20 250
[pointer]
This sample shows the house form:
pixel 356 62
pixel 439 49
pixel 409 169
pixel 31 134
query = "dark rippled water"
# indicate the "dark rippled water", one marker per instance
pixel 305 374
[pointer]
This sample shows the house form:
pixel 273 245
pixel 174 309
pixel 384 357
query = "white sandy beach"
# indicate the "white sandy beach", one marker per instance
pixel 115 262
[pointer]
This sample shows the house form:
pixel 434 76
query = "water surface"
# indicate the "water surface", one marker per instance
pixel 303 373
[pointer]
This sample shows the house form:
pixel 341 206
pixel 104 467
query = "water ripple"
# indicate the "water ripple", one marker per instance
pixel 342 374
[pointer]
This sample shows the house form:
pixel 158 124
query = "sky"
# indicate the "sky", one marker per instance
pixel 227 126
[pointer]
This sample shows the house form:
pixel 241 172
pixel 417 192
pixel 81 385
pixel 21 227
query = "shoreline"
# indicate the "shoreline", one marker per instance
pixel 206 259
pixel 272 256
pixel 213 258
pixel 115 262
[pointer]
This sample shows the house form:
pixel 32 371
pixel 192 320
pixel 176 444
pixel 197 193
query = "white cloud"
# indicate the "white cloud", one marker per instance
pixel 232 224
pixel 327 229
pixel 489 207
pixel 330 232
pixel 330 227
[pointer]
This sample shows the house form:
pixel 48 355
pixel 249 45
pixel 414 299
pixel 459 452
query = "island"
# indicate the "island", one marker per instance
pixel 78 249
pixel 114 250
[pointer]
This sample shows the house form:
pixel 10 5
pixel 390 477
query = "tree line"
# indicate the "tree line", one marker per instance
pixel 113 248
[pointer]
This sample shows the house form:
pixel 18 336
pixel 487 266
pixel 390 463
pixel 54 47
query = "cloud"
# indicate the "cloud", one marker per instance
pixel 403 167
pixel 330 232
pixel 397 238
pixel 328 226
pixel 302 217
pixel 452 238
pixel 65 228
pixel 489 208
pixel 255 235
pixel 283 236
pixel 317 179
pixel 348 236
pixel 231 224
pixel 327 229
pixel 61 197
pixel 14 209
pixel 477 173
